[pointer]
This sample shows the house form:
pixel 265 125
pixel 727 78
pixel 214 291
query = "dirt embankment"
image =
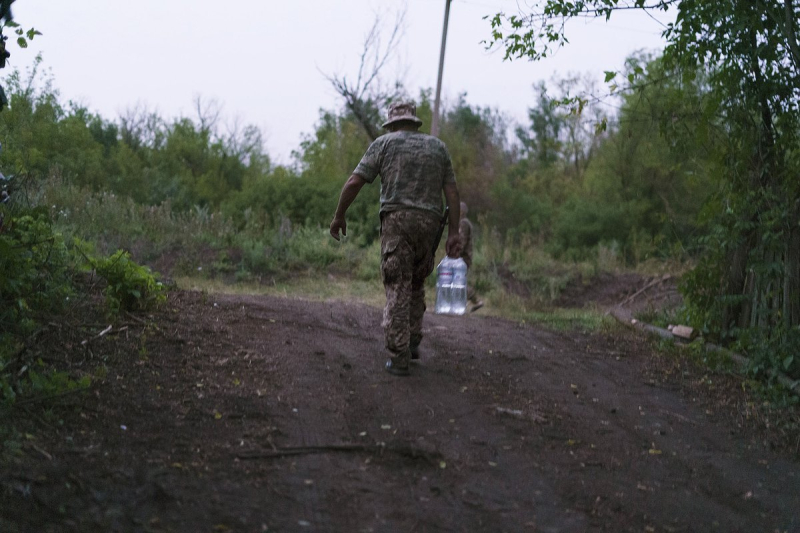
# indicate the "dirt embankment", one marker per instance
pixel 237 413
pixel 634 292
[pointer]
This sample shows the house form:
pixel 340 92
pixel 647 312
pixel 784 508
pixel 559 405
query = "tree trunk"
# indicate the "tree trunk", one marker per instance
pixel 738 282
pixel 791 286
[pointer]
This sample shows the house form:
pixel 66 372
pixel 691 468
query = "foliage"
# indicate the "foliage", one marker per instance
pixel 23 35
pixel 772 352
pixel 186 166
pixel 131 287
pixel 190 162
pixel 562 200
pixel 39 381
pixel 35 275
pixel 36 284
pixel 475 138
pixel 644 189
pixel 36 270
pixel 747 285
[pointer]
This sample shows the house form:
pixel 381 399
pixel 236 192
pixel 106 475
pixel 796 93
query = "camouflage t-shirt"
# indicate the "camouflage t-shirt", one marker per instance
pixel 414 168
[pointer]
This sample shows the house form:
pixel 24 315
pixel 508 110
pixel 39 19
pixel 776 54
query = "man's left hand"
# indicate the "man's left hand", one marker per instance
pixel 453 246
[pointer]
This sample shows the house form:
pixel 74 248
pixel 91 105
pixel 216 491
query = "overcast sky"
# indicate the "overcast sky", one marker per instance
pixel 263 59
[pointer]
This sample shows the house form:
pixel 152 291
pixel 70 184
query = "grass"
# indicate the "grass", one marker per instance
pixel 517 279
pixel 305 288
pixel 583 320
pixel 330 288
pixel 661 318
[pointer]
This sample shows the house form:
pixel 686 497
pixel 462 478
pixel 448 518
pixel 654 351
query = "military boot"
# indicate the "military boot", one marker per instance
pixel 414 349
pixel 398 365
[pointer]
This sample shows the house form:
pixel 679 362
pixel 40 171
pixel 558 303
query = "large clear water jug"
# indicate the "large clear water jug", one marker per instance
pixel 444 286
pixel 458 291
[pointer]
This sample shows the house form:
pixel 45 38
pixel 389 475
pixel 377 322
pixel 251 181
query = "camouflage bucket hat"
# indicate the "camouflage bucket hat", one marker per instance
pixel 405 111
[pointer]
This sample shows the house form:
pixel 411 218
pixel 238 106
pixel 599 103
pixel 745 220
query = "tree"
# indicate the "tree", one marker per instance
pixel 542 141
pixel 643 189
pixel 325 157
pixel 749 278
pixel 558 143
pixel 475 138
pixel 368 96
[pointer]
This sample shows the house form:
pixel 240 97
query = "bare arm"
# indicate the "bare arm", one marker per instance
pixel 453 245
pixel 349 192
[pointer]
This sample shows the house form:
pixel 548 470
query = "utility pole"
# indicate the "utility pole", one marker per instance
pixel 435 121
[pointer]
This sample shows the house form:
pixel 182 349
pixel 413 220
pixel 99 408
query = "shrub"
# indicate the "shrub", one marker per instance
pixel 35 281
pixel 35 275
pixel 131 287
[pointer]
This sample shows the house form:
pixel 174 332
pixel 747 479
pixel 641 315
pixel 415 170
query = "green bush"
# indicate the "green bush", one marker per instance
pixel 36 269
pixel 131 287
pixel 40 381
pixel 772 351
pixel 35 274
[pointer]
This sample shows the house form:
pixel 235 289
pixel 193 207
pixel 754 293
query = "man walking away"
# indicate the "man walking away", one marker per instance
pixel 465 234
pixel 415 169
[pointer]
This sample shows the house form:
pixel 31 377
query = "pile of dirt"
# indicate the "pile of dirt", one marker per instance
pixel 511 284
pixel 632 291
pixel 245 413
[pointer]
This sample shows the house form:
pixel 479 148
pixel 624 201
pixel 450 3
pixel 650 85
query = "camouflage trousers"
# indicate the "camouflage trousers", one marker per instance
pixel 472 296
pixel 407 239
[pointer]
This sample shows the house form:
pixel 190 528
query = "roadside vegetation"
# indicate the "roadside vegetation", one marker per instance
pixel 735 70
pixel 567 196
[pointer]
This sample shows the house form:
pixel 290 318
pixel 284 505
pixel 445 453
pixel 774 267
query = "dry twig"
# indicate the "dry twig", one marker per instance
pixel 404 450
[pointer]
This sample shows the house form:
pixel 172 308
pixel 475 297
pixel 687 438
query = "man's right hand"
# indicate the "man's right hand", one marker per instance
pixel 337 224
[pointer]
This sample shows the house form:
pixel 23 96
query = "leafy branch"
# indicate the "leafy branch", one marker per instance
pixel 23 36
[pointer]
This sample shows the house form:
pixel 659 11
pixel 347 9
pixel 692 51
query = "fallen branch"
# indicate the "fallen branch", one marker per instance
pixel 625 317
pixel 41 451
pixel 406 451
pixel 136 318
pixel 16 358
pixel 50 397
pixel 786 381
pixel 640 291
pixel 37 418
pixel 106 330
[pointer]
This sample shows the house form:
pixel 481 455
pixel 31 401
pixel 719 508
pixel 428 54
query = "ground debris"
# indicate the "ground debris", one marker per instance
pixel 520 414
pixel 405 450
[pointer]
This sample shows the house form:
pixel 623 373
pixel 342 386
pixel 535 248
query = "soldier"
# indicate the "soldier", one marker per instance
pixel 415 169
pixel 465 234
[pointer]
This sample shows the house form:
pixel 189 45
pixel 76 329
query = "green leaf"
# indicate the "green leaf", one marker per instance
pixel 610 75
pixel 787 362
pixel 601 126
pixel 22 42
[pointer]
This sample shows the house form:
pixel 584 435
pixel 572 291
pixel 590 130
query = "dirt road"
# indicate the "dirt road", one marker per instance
pixel 262 414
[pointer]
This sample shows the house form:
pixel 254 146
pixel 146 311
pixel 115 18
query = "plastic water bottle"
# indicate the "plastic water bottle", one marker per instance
pixel 458 293
pixel 444 285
